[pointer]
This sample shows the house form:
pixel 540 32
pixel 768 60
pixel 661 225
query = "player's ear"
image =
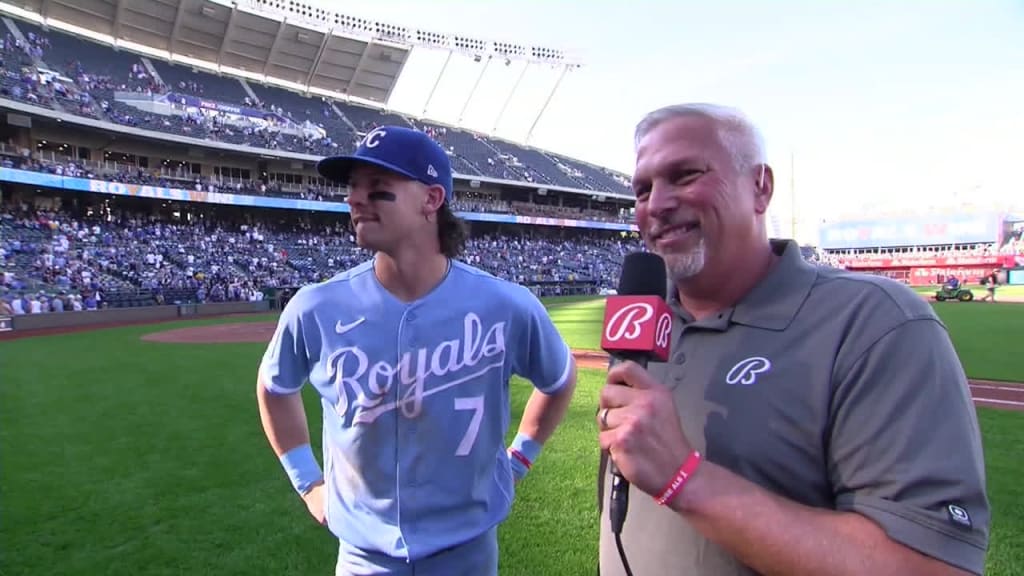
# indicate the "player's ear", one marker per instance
pixel 433 200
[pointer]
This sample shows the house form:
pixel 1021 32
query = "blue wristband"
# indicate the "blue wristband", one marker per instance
pixel 525 447
pixel 302 467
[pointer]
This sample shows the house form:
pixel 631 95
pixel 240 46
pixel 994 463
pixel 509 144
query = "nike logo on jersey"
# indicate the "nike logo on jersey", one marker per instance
pixel 362 386
pixel 342 328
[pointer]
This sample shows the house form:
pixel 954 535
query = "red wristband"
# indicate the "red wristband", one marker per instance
pixel 519 456
pixel 679 480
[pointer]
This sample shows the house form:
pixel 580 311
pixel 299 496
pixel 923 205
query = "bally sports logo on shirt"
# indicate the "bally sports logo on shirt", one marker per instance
pixel 362 386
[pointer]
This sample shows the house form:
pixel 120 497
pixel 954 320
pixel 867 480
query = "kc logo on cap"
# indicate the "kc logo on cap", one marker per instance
pixel 373 138
pixel 405 151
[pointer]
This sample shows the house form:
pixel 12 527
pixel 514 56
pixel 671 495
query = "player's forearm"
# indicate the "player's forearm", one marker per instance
pixel 774 535
pixel 544 412
pixel 283 418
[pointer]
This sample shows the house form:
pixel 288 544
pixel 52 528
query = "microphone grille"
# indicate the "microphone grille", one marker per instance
pixel 643 274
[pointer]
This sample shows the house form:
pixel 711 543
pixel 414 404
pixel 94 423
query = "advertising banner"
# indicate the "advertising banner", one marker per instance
pixel 898 261
pixel 911 231
pixel 203 103
pixel 935 276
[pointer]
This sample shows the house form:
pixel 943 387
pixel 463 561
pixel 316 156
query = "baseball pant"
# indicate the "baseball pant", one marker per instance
pixel 477 557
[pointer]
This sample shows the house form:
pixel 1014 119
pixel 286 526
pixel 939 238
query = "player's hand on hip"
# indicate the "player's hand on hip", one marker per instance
pixel 314 500
pixel 640 428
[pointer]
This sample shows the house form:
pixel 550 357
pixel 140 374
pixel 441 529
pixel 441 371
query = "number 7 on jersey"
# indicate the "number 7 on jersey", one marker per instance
pixel 476 404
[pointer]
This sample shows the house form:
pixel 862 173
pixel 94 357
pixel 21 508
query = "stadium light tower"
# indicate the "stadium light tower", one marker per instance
pixel 430 97
pixel 511 93
pixel 472 91
pixel 322 17
pixel 547 101
pixel 508 52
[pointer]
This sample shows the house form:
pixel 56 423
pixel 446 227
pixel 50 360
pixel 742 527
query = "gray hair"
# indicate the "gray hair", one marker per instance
pixel 736 132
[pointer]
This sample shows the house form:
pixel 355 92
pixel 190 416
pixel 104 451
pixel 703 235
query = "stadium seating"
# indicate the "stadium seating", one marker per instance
pixel 12 158
pixel 125 259
pixel 134 259
pixel 97 72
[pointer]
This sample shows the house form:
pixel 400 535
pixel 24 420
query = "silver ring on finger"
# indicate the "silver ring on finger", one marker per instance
pixel 604 418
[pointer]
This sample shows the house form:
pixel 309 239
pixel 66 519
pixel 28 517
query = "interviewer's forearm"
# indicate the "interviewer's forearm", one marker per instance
pixel 283 418
pixel 774 535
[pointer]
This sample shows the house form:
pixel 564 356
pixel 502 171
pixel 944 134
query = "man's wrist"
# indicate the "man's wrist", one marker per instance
pixel 302 468
pixel 679 480
pixel 523 452
pixel 690 497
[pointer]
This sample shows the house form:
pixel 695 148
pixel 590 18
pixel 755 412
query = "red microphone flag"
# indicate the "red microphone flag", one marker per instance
pixel 637 324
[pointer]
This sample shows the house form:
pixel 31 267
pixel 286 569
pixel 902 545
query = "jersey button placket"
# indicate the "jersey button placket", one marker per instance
pixel 412 342
pixel 407 427
pixel 405 481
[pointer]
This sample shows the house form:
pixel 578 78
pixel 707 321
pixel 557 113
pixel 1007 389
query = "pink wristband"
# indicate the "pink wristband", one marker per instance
pixel 679 480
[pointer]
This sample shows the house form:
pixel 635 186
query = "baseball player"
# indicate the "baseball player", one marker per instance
pixel 411 354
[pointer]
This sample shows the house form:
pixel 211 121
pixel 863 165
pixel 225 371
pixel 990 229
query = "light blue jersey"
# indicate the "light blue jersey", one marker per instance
pixel 415 400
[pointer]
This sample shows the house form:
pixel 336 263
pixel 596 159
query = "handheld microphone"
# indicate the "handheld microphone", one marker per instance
pixel 638 328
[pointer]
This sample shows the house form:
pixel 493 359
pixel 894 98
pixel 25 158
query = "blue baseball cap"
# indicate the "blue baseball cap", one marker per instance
pixel 405 151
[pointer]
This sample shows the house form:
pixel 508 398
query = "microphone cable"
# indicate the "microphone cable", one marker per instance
pixel 617 511
pixel 622 555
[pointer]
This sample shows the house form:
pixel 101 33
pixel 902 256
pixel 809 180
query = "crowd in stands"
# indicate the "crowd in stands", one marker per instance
pixel 93 260
pixel 66 73
pixel 25 159
pixel 54 260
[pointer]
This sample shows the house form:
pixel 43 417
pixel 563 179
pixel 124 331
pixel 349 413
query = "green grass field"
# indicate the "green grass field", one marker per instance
pixel 124 457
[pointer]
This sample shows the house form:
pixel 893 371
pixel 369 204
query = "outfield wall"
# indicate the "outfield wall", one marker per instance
pixel 111 316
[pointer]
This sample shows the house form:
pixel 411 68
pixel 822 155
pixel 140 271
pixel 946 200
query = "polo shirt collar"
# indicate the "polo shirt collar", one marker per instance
pixel 775 300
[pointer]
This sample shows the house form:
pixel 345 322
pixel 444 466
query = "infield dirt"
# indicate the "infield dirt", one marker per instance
pixel 261 332
pixel 1002 395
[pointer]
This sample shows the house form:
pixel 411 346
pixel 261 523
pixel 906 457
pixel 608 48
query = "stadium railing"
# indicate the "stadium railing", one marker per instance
pixel 114 316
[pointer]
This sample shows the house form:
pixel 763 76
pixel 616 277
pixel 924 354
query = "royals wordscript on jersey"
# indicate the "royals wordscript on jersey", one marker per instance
pixel 416 399
pixel 369 386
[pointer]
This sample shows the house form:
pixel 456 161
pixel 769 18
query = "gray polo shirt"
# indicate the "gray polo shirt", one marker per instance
pixel 835 390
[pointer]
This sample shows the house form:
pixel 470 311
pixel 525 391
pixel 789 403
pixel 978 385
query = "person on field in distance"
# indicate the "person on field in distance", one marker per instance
pixel 808 421
pixel 411 353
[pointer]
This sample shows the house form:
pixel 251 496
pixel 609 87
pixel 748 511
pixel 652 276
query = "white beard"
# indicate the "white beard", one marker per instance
pixel 684 265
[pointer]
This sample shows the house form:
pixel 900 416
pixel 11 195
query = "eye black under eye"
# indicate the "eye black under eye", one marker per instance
pixel 382 195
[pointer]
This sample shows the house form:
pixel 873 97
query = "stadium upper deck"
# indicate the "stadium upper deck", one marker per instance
pixel 84 118
pixel 87 82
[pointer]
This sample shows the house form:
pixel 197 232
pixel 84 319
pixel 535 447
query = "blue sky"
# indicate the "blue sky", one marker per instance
pixel 881 104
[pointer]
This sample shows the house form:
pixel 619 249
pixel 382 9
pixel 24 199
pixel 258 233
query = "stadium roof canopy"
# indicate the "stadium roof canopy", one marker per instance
pixel 285 42
pixel 304 49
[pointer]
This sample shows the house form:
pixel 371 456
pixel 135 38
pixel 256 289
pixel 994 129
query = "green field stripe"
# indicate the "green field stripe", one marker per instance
pixel 124 457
